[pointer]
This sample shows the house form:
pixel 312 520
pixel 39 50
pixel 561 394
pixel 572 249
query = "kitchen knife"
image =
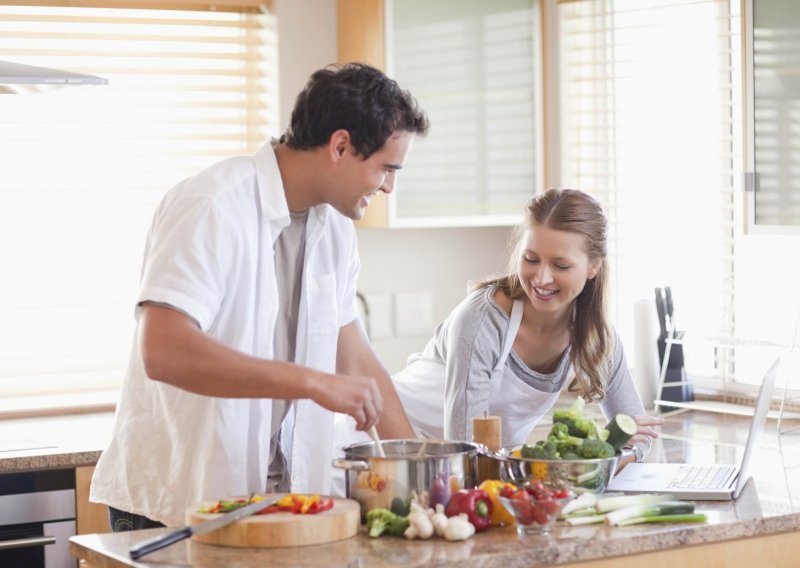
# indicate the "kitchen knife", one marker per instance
pixel 159 542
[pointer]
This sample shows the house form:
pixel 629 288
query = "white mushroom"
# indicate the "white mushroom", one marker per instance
pixel 419 526
pixel 439 520
pixel 459 528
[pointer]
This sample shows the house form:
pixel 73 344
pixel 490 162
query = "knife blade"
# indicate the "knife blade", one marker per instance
pixel 162 541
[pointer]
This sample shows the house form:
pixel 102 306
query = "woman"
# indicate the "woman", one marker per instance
pixel 517 341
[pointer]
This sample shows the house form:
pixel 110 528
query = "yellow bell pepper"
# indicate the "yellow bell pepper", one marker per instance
pixel 494 487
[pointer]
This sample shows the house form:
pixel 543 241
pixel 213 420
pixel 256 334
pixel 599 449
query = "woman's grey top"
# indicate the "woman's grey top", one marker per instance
pixel 469 343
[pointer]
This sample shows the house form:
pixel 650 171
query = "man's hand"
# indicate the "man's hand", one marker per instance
pixel 356 396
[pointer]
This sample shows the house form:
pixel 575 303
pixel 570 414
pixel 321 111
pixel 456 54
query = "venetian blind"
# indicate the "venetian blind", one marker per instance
pixel 82 169
pixel 647 114
pixel 473 67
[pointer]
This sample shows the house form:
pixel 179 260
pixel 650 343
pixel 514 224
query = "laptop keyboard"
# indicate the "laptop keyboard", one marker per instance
pixel 702 477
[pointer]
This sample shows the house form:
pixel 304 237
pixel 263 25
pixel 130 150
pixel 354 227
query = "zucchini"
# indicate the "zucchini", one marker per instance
pixel 620 430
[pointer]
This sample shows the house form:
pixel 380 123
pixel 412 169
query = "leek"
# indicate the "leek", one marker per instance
pixel 582 501
pixel 606 504
pixel 657 510
pixel 688 518
pixel 585 520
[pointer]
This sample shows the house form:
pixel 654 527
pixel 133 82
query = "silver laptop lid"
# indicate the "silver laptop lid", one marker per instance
pixel 757 425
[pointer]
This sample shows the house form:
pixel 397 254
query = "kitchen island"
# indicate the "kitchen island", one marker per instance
pixel 761 528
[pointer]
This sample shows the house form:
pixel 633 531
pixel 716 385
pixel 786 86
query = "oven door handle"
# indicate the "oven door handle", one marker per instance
pixel 27 542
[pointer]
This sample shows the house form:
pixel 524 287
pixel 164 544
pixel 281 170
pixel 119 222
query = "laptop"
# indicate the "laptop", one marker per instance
pixel 713 482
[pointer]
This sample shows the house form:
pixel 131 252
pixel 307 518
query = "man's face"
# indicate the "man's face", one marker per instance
pixel 361 179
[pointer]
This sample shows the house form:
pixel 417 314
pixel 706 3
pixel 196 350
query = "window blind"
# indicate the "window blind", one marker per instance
pixel 647 127
pixel 83 168
pixel 473 67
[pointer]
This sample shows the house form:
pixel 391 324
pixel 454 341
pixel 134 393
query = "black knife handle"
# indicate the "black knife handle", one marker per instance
pixel 159 542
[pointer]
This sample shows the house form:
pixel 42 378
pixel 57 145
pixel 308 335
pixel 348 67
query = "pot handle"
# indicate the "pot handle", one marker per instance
pixel 357 465
pixel 487 453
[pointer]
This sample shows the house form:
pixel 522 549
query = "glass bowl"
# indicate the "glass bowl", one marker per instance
pixel 536 506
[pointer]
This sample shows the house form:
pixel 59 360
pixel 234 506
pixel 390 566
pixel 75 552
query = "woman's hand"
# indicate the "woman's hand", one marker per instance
pixel 644 433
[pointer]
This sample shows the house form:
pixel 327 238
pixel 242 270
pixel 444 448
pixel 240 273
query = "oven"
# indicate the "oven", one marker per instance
pixel 37 517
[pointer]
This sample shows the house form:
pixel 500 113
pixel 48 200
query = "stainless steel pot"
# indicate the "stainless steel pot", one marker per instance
pixel 423 471
pixel 581 475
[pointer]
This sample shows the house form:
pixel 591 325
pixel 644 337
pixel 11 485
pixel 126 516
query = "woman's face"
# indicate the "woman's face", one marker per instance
pixel 553 268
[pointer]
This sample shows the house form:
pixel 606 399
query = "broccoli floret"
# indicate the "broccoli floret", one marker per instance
pixel 595 448
pixel 577 424
pixel 381 521
pixel 570 455
pixel 541 451
pixel 559 434
pixel 573 418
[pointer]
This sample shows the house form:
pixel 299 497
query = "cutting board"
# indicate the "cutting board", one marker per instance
pixel 282 529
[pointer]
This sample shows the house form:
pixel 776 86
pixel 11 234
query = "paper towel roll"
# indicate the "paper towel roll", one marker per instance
pixel 645 362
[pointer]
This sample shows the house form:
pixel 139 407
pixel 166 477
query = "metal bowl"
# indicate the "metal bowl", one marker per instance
pixel 580 475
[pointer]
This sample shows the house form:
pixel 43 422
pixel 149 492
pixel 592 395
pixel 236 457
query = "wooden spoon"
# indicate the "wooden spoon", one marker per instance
pixel 373 432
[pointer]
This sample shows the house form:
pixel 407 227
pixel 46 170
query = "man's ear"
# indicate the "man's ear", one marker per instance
pixel 338 144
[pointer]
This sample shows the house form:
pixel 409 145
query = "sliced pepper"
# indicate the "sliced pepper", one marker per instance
pixel 493 488
pixel 477 505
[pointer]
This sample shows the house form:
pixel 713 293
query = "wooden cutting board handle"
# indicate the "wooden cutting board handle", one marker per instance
pixel 282 529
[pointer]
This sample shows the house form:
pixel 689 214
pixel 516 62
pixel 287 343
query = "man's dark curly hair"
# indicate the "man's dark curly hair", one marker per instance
pixel 357 98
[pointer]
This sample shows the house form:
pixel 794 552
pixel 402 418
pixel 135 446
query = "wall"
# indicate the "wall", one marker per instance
pixel 438 262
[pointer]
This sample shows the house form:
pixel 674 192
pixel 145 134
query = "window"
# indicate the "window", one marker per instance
pixel 83 168
pixel 648 121
pixel 473 66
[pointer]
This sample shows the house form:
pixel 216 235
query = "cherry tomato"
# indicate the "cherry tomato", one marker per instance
pixel 540 515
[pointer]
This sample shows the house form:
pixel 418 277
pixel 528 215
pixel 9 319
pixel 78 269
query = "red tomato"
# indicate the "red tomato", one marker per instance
pixel 540 515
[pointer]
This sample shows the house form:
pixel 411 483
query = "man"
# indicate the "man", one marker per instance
pixel 248 339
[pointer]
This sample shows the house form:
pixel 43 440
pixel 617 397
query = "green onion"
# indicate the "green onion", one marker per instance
pixel 696 518
pixel 658 510
pixel 606 504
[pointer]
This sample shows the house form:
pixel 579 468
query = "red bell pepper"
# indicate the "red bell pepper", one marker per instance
pixel 476 503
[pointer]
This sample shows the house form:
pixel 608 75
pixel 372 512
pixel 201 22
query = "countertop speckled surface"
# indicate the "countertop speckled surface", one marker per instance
pixel 53 442
pixel 769 505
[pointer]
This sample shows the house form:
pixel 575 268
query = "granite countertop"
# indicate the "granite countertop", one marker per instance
pixel 769 505
pixel 54 441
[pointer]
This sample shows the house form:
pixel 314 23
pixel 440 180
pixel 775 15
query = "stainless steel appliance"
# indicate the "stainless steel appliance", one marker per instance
pixel 37 517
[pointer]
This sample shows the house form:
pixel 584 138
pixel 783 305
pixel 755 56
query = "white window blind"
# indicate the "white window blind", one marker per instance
pixel 82 169
pixel 647 114
pixel 473 67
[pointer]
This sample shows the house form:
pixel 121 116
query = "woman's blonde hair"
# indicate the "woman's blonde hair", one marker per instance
pixel 572 211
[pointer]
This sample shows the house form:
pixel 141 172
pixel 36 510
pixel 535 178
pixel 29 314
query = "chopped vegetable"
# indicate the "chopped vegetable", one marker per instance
pixel 475 503
pixel 620 430
pixel 493 488
pixel 654 510
pixel 291 503
pixel 380 521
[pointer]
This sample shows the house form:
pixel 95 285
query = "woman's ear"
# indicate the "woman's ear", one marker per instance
pixel 594 268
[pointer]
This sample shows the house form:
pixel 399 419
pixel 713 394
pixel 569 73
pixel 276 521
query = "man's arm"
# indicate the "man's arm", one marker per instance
pixel 176 351
pixel 355 356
